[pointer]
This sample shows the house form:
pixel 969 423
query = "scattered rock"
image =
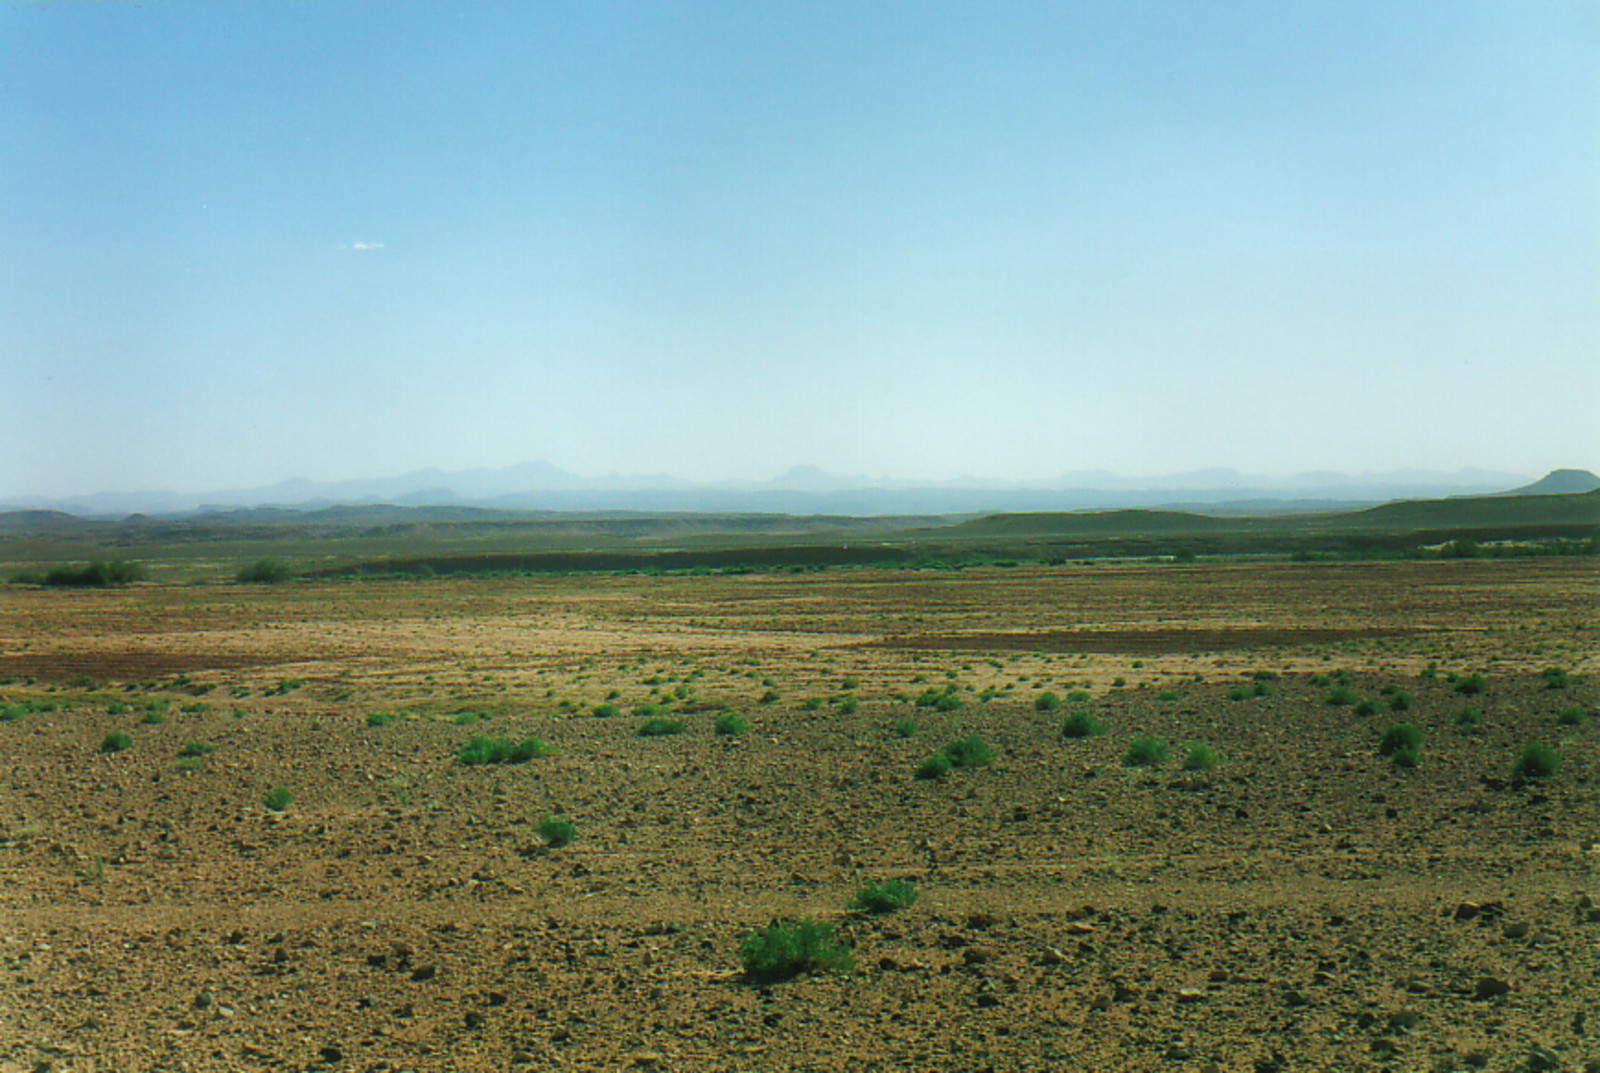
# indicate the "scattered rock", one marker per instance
pixel 1178 1053
pixel 423 973
pixel 330 1053
pixel 646 1057
pixel 1490 987
pixel 1188 995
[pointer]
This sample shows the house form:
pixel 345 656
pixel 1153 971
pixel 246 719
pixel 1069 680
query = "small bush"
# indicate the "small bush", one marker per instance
pixel 277 799
pixel 936 766
pixel 11 713
pixel 1400 736
pixel 1046 702
pixel 905 728
pixel 557 831
pixel 1077 696
pixel 1554 677
pixel 947 702
pixel 1536 762
pixel 1570 717
pixel 1470 685
pixel 1201 757
pixel 1081 725
pixel 847 704
pixel 381 719
pixel 768 697
pixel 659 726
pixel 196 749
pixel 1261 689
pixel 606 710
pixel 264 572
pixel 1145 751
pixel 1405 757
pixel 1168 696
pixel 115 742
pixel 781 951
pixel 1365 707
pixel 1399 701
pixel 1339 696
pixel 1467 720
pixel 969 752
pixel 479 750
pixel 884 897
pixel 729 724
pixel 1238 693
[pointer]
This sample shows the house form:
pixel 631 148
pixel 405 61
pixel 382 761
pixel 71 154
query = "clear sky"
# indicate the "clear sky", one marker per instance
pixel 247 240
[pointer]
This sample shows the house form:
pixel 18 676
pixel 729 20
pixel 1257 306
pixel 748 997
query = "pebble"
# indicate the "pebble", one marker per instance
pixel 1188 995
pixel 646 1057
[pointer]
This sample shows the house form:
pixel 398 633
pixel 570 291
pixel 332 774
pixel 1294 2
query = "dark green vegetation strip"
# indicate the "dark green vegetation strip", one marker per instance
pixel 569 562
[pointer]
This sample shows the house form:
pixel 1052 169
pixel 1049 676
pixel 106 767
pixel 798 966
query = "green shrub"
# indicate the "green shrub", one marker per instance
pixel 811 704
pixel 1145 751
pixel 1238 693
pixel 1400 736
pixel 1536 762
pixel 1201 757
pixel 115 742
pixel 884 897
pixel 936 766
pixel 196 749
pixel 784 950
pixel 768 697
pixel 969 752
pixel 277 799
pixel 1467 720
pixel 1168 696
pixel 1046 702
pixel 1570 717
pixel 1261 689
pixel 1365 707
pixel 1081 725
pixel 1399 701
pixel 10 713
pixel 1077 696
pixel 729 724
pixel 557 831
pixel 905 728
pixel 1470 685
pixel 1341 695
pixel 1405 757
pixel 847 704
pixel 264 572
pixel 606 710
pixel 947 702
pixel 95 575
pixel 480 750
pixel 659 726
pixel 381 719
pixel 1554 677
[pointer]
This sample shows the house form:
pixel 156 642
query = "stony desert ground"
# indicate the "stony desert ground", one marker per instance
pixel 1307 903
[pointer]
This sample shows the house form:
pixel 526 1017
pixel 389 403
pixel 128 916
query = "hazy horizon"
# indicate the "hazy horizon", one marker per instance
pixel 260 241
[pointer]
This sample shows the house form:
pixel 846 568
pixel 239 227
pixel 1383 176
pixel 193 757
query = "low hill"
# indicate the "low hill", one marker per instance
pixel 1559 482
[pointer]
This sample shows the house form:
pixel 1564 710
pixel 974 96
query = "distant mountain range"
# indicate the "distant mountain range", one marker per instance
pixel 540 486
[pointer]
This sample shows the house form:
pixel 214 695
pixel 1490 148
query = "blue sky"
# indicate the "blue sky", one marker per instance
pixel 256 239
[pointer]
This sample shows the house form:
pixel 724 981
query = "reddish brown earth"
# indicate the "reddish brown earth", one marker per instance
pixel 1303 906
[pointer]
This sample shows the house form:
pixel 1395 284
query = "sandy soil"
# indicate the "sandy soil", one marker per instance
pixel 1304 905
